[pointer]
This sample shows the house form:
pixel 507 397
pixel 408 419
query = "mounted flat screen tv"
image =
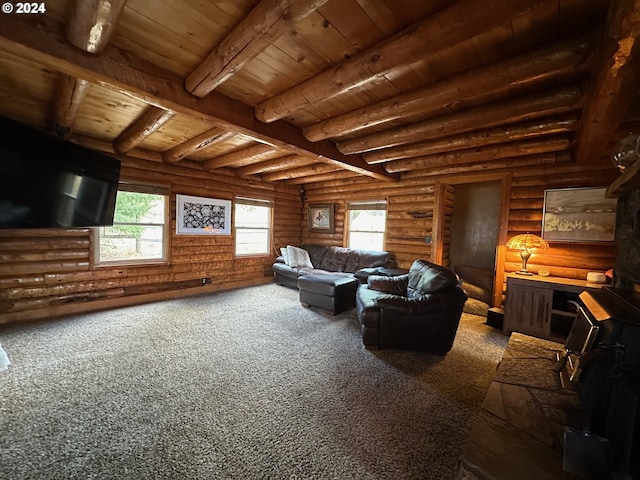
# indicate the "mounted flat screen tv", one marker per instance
pixel 47 182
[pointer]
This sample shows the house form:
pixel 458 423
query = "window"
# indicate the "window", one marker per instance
pixel 253 226
pixel 139 231
pixel 367 224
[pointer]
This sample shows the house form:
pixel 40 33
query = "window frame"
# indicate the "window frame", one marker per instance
pixel 260 202
pixel 138 187
pixel 378 204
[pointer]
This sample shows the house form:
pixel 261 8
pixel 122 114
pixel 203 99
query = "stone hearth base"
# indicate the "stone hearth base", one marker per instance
pixel 519 432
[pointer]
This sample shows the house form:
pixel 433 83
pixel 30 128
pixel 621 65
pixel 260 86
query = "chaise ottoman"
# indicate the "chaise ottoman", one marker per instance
pixel 335 293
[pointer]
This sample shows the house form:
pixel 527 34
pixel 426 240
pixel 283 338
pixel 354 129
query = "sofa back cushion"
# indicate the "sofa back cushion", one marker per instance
pixel 426 277
pixel 374 258
pixel 316 253
pixel 338 259
pixel 341 259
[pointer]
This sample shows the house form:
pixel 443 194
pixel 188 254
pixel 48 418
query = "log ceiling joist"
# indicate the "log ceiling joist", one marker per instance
pixel 150 121
pixel 265 23
pixel 165 90
pixel 197 143
pixel 321 177
pixel 91 23
pixel 477 84
pixel 447 27
pixel 615 83
pixel 480 138
pixel 299 172
pixel 241 158
pixel 541 105
pixel 267 166
pixel 68 95
pixel 492 152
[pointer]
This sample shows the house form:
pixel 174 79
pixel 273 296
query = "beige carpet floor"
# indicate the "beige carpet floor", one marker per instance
pixel 245 384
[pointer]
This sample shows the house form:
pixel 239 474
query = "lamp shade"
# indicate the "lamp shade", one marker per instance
pixel 527 241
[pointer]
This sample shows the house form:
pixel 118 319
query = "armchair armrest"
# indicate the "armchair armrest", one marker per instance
pixel 428 303
pixel 393 285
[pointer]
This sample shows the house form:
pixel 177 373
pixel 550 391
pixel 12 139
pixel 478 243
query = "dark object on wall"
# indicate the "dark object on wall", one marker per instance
pixel 46 182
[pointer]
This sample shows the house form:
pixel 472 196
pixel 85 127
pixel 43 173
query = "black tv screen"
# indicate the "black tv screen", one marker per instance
pixel 47 182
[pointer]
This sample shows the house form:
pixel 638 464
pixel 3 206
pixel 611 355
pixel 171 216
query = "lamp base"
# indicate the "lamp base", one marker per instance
pixel 524 272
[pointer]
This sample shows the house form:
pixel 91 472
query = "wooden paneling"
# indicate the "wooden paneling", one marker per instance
pixel 48 272
pixel 412 214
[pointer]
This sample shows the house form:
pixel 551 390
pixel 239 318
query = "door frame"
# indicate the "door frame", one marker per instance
pixel 442 186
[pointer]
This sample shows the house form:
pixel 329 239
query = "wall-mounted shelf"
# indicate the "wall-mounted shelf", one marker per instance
pixel 625 183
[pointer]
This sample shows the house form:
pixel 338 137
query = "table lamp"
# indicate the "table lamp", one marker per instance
pixel 526 242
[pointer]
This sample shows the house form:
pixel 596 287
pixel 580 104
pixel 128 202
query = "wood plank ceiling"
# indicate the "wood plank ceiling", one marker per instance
pixel 301 91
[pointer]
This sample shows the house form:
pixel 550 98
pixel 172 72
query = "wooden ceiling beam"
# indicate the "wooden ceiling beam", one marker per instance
pixel 89 26
pixel 480 138
pixel 615 83
pixel 135 153
pixel 197 143
pixel 274 165
pixel 299 172
pixel 447 27
pixel 504 164
pixel 453 93
pixel 322 177
pixel 246 156
pixel 542 105
pixel 150 121
pixel 68 95
pixel 555 143
pixel 41 43
pixel 268 20
pixel 91 23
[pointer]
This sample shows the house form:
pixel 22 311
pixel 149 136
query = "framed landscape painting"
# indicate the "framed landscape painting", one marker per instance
pixel 202 216
pixel 321 218
pixel 578 215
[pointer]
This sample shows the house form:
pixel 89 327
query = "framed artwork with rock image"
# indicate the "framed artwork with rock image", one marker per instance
pixel 202 216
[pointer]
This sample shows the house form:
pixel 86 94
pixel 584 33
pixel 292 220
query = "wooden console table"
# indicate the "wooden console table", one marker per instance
pixel 538 306
pixel 519 432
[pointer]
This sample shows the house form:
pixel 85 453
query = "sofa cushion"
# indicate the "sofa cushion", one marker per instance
pixel 285 255
pixel 374 258
pixel 316 253
pixel 426 277
pixel 298 257
pixel 335 259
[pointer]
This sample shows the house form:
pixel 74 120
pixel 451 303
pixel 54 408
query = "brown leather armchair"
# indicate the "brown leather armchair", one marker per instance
pixel 419 310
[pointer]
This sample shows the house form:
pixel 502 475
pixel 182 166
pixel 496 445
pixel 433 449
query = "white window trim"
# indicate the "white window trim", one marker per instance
pixel 138 187
pixel 260 202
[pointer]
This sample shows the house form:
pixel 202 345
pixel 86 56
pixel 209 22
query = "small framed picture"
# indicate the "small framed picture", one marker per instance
pixel 321 218
pixel 202 216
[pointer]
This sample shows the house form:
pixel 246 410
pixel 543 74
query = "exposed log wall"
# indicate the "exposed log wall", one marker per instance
pixel 46 273
pixel 411 216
